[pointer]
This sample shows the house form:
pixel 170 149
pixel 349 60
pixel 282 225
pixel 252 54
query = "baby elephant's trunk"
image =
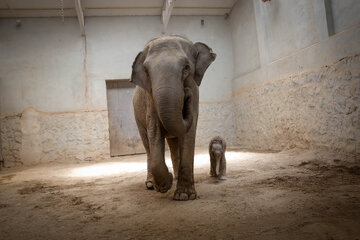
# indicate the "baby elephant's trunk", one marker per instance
pixel 217 169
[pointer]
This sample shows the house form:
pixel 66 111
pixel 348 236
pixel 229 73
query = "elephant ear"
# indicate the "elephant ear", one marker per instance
pixel 204 58
pixel 138 75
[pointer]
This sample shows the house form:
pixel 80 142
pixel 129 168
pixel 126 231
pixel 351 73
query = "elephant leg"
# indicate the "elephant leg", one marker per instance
pixel 185 189
pixel 144 138
pixel 160 173
pixel 212 166
pixel 222 174
pixel 175 154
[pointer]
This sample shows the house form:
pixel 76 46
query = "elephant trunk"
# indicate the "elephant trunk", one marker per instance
pixel 174 109
pixel 217 169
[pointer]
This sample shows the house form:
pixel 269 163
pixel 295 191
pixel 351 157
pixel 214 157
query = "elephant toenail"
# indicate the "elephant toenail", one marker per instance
pixel 183 196
pixel 192 196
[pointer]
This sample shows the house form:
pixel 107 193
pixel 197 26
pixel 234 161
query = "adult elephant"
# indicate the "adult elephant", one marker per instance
pixel 168 73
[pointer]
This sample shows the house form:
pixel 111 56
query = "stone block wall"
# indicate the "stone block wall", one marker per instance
pixel 315 109
pixel 11 138
pixel 74 136
pixel 36 137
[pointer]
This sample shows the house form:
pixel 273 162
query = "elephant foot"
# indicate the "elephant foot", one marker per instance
pixel 222 177
pixel 149 181
pixel 212 174
pixel 165 185
pixel 149 184
pixel 184 194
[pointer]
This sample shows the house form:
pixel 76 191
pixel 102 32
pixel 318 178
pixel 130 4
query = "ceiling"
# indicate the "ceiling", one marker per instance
pixel 51 8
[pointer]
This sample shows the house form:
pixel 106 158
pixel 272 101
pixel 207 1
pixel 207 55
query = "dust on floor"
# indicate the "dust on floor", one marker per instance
pixel 288 195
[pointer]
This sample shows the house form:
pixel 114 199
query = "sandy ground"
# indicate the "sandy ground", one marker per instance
pixel 288 195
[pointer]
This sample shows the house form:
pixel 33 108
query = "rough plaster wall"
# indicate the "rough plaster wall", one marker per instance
pixel 36 137
pixel 320 108
pixel 74 136
pixel 216 120
pixel 11 138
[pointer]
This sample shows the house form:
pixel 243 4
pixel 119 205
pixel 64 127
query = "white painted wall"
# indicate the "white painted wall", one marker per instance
pixel 113 43
pixel 286 26
pixel 47 65
pixel 41 65
pixel 346 13
pixel 216 33
pixel 244 38
pixel 291 37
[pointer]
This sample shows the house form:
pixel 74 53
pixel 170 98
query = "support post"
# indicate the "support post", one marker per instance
pixel 329 17
pixel 80 16
pixel 166 13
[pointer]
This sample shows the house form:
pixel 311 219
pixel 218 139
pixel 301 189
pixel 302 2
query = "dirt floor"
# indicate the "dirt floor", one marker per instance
pixel 288 195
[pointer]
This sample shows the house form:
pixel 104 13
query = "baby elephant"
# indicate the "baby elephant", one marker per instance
pixel 217 149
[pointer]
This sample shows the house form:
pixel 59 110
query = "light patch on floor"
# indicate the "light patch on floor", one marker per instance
pixel 106 169
pixel 115 168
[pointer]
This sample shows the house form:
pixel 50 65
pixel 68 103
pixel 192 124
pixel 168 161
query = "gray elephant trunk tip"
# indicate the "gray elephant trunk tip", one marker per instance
pixel 217 165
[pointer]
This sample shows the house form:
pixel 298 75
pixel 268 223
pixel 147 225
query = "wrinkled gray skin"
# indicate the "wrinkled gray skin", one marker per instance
pixel 168 73
pixel 217 148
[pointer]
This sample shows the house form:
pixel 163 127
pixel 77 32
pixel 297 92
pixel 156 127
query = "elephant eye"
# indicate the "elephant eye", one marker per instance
pixel 187 67
pixel 147 71
pixel 186 70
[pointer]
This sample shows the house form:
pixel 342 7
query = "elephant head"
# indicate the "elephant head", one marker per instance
pixel 169 68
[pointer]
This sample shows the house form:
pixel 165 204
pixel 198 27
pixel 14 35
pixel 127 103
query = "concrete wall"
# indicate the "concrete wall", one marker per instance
pixel 244 38
pixel 51 78
pixel 41 66
pixel 301 93
pixel 345 14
